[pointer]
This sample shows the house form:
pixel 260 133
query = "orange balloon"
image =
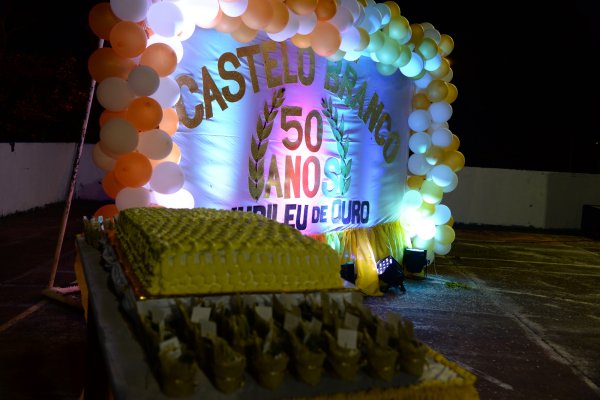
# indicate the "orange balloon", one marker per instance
pixel 280 18
pixel 105 62
pixel 128 39
pixel 174 156
pixel 302 7
pixel 111 185
pixel 161 57
pixel 301 41
pixel 101 20
pixel 133 169
pixel 244 34
pixel 228 24
pixel 170 121
pixel 325 39
pixel 258 14
pixel 107 211
pixel 144 113
pixel 326 9
pixel 107 115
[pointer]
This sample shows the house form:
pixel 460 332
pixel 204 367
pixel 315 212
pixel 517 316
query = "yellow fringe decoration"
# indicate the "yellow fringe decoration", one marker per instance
pixel 364 246
pixel 462 388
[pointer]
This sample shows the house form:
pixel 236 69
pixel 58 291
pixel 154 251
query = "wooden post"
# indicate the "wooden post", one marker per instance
pixel 65 218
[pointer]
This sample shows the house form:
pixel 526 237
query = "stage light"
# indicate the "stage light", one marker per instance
pixel 391 274
pixel 348 272
pixel 415 260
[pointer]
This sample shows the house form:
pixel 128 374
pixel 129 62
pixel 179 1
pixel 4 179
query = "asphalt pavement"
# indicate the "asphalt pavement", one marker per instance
pixel 519 308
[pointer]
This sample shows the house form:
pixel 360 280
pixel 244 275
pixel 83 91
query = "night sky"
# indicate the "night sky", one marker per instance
pixel 525 76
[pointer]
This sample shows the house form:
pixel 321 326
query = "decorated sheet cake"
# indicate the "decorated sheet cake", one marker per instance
pixel 201 251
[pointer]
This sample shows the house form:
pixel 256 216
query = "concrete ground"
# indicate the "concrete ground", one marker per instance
pixel 520 309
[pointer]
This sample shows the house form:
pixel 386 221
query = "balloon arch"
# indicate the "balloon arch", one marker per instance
pixel 148 103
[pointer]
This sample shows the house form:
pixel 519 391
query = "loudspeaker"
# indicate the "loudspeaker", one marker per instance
pixel 414 260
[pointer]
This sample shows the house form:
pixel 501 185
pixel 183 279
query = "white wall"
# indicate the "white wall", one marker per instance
pixel 36 174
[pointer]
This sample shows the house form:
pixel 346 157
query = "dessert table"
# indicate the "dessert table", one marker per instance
pixel 117 366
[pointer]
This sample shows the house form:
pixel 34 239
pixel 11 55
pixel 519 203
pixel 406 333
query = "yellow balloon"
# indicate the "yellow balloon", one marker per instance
pixel 427 48
pixel 365 39
pixel 394 8
pixel 376 41
pixel 404 57
pixel 426 209
pixel 431 193
pixel 452 93
pixel 434 155
pixel 398 27
pixel 417 33
pixel 454 159
pixel 454 145
pixel 420 101
pixel 437 90
pixel 414 182
pixel 446 45
pixel 442 70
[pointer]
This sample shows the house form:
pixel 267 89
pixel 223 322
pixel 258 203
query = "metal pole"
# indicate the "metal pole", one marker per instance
pixel 65 218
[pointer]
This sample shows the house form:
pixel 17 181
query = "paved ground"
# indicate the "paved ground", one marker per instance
pixel 520 309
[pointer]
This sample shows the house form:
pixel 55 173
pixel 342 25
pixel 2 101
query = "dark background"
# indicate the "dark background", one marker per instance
pixel 526 77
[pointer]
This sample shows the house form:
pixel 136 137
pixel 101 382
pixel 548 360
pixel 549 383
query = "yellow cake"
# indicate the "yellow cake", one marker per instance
pixel 201 250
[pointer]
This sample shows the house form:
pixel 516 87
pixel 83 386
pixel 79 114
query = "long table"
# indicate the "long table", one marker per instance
pixel 118 367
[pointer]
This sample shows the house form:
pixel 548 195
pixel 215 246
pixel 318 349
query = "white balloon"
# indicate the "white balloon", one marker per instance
pixel 130 10
pixel 350 39
pixel 441 249
pixel 102 160
pixel 180 199
pixel 352 6
pixel 432 33
pixel 167 178
pixel 290 29
pixel 165 18
pixel 132 197
pixel 114 94
pixel 433 63
pixel 234 8
pixel 143 80
pixel 424 81
pixel 419 120
pixel 417 164
pixel 441 137
pixel 206 12
pixel 414 66
pixel 307 23
pixel 442 175
pixel 444 234
pixel 440 111
pixel 342 19
pixel 419 142
pixel 352 55
pixel 451 186
pixel 155 144
pixel 412 199
pixel 118 136
pixel 168 92
pixel 385 12
pixel 425 229
pixel 441 215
